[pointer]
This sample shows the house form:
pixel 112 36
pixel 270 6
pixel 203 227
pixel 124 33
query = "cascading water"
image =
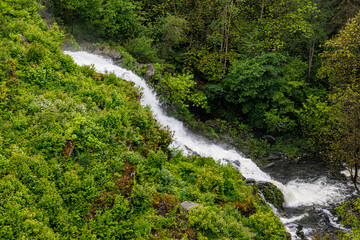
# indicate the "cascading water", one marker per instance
pixel 301 195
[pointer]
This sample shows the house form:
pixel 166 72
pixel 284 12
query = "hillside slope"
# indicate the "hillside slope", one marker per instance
pixel 80 158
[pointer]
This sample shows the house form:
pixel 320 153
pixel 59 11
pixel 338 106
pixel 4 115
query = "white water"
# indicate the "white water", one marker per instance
pixel 297 192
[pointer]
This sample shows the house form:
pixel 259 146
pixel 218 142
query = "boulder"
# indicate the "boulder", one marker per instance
pixel 102 50
pixel 225 161
pixel 150 71
pixel 187 205
pixel 299 232
pixel 139 65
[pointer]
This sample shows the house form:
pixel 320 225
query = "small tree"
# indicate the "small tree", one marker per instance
pixel 344 142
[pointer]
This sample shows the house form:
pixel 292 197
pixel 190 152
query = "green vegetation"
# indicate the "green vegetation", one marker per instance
pixel 81 159
pixel 250 64
pixel 249 68
pixel 349 212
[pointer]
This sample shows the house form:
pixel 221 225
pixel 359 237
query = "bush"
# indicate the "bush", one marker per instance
pixel 207 220
pixel 266 226
pixel 142 198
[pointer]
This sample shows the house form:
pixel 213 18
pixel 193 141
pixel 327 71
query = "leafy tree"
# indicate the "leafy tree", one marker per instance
pixel 181 90
pixel 170 34
pixel 341 62
pixel 71 11
pixel 334 128
pixel 262 91
pixel 274 23
pixel 340 133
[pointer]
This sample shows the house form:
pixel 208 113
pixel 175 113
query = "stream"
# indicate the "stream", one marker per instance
pixel 310 191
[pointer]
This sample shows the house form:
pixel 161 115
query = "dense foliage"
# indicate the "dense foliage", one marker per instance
pixel 79 156
pixel 81 159
pixel 285 68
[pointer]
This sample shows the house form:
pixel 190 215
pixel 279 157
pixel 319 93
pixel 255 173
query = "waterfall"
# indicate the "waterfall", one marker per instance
pixel 298 193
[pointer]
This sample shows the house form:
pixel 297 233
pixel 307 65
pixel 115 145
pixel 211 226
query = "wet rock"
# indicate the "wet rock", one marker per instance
pixel 212 123
pixel 270 139
pixel 300 232
pixel 250 181
pixel 236 163
pixel 114 54
pixel 288 236
pixel 227 138
pixel 187 205
pixel 224 160
pixel 269 165
pixel 191 151
pixel 150 71
pixel 273 157
pixel 104 50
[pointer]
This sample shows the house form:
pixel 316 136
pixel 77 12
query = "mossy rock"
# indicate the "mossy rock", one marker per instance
pixel 272 194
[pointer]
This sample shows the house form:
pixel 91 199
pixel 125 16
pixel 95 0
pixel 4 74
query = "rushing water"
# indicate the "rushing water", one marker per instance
pixel 308 196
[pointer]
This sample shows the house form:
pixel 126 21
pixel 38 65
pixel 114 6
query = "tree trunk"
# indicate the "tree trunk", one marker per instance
pixel 228 34
pixel 262 9
pixel 311 54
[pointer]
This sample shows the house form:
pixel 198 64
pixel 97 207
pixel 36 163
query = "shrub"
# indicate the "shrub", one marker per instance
pixel 207 220
pixel 266 226
pixel 141 198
